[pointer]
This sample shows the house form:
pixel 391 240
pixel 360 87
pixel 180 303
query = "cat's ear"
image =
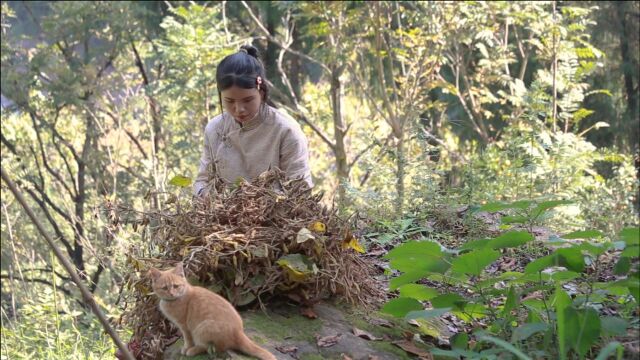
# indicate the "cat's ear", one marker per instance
pixel 153 273
pixel 179 269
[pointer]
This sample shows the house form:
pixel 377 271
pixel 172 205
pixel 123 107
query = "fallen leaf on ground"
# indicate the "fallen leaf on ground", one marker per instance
pixel 411 348
pixel 381 322
pixel 327 341
pixel 309 313
pixel 365 335
pixel 373 357
pixel 291 350
pixel 345 357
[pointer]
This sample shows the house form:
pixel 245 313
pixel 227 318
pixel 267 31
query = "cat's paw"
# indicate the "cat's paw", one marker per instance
pixel 184 349
pixel 195 350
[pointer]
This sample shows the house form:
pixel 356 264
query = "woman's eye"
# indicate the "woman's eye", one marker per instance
pixel 176 286
pixel 165 288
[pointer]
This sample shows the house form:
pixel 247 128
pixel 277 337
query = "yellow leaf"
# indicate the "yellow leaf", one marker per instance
pixel 350 241
pixel 319 227
pixel 298 267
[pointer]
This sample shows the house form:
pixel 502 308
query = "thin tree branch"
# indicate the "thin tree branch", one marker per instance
pixel 41 281
pixel 275 41
pixel 50 170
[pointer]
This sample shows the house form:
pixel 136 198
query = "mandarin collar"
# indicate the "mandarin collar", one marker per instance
pixel 255 122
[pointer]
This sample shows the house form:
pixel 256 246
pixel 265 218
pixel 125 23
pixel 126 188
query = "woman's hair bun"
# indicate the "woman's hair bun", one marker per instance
pixel 250 49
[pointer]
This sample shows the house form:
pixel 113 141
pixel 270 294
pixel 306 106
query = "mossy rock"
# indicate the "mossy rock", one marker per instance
pixel 283 326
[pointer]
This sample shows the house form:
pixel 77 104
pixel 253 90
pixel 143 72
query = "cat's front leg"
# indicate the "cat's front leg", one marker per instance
pixel 188 340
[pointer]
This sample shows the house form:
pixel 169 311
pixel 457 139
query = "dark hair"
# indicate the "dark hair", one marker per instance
pixel 242 70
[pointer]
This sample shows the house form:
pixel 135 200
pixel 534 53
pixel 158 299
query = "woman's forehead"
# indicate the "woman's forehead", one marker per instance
pixel 238 93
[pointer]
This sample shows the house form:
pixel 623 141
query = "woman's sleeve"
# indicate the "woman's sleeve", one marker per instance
pixel 205 162
pixel 294 156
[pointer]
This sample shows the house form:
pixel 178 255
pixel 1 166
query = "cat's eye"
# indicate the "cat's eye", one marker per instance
pixel 176 286
pixel 165 288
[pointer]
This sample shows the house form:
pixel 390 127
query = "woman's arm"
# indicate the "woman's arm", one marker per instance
pixel 205 162
pixel 294 156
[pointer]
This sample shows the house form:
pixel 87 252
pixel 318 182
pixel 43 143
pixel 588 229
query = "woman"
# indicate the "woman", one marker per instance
pixel 250 136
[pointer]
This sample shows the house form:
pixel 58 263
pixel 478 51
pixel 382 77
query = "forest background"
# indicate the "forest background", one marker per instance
pixel 409 108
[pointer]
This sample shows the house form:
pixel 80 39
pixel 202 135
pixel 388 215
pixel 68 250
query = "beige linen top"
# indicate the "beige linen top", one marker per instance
pixel 246 150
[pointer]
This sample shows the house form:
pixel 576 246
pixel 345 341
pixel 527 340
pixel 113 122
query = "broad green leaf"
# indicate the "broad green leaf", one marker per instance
pixel 422 262
pixel 426 314
pixel 613 325
pixel 525 331
pixel 401 306
pixel 510 303
pixel 631 251
pixel 571 258
pixel 406 278
pixel 611 347
pixel 513 219
pixel 418 292
pixel 564 276
pixel 586 234
pixel 453 354
pixel 498 206
pixel 298 267
pixel 593 249
pixel 542 263
pixel 449 300
pixel 623 266
pixel 511 239
pixel 544 206
pixel 494 207
pixel 459 341
pixel 181 181
pixel 474 262
pixel 588 331
pixel 631 236
pixel 560 301
pixel 475 244
pixel 414 248
pixel 505 345
pixel 472 311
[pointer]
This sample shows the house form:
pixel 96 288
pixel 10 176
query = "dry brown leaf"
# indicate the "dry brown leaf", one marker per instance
pixel 290 350
pixel 373 357
pixel 411 348
pixel 327 341
pixel 309 313
pixel 345 357
pixel 381 322
pixel 365 335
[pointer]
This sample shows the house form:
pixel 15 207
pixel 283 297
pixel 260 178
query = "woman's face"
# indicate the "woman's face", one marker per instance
pixel 242 104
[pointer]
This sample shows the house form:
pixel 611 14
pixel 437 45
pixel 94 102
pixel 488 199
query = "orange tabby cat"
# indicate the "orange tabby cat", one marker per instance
pixel 203 317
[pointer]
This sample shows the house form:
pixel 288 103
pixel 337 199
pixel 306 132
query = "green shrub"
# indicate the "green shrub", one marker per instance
pixel 521 312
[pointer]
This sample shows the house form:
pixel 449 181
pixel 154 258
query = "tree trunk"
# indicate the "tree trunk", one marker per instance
pixel 339 129
pixel 627 69
pixel 400 173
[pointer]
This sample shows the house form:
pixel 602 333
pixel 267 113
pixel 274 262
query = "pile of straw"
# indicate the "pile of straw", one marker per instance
pixel 248 242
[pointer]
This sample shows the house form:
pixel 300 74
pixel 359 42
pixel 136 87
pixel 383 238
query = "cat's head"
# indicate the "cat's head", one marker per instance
pixel 170 284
